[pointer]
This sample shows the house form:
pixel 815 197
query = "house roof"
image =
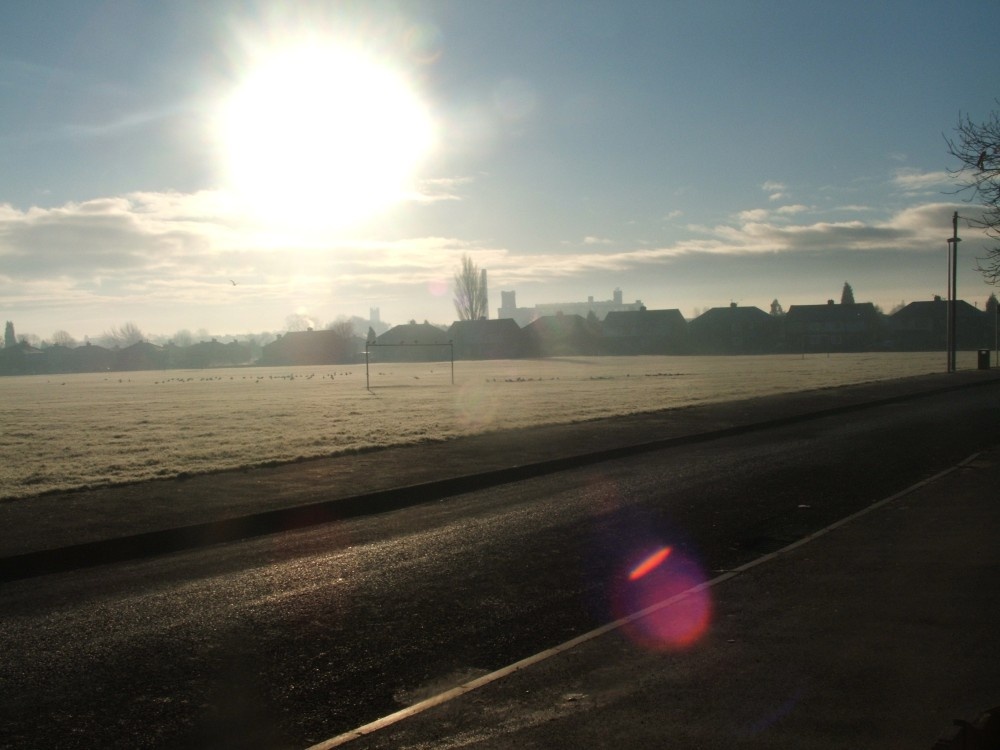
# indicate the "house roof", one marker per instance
pixel 830 313
pixel 935 309
pixel 295 337
pixel 642 322
pixel 498 329
pixel 412 333
pixel 556 325
pixel 142 346
pixel 718 315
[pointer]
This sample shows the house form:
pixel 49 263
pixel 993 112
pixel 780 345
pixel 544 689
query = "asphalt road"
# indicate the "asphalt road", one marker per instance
pixel 289 639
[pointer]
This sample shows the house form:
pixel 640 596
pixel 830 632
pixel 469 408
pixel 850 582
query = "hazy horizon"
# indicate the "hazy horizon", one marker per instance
pixel 303 323
pixel 226 166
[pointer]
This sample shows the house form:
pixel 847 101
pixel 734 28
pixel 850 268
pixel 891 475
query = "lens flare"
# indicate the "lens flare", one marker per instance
pixel 475 406
pixel 665 601
pixel 437 287
pixel 649 563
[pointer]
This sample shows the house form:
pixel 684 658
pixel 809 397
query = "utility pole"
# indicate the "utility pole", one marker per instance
pixel 952 290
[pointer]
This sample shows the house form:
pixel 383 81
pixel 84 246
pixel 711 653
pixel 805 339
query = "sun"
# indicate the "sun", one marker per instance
pixel 321 135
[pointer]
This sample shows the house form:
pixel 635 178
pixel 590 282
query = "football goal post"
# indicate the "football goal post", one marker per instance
pixel 371 348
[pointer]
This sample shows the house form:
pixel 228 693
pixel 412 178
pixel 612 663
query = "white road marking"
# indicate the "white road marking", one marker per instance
pixel 467 687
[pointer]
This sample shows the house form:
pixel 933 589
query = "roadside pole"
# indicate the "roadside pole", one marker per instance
pixel 952 290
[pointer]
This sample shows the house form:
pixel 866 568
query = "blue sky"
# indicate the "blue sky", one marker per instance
pixel 333 157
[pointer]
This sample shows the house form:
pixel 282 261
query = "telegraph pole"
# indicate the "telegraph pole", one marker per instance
pixel 952 290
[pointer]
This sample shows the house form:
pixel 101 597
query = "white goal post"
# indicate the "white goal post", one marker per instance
pixel 372 346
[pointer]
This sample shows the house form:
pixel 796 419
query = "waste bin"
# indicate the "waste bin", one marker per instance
pixel 984 359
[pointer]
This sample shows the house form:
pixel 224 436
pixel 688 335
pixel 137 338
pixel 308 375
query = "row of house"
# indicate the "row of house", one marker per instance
pixel 919 326
pixel 25 359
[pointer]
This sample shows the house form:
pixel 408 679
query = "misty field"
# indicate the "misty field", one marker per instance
pixel 72 431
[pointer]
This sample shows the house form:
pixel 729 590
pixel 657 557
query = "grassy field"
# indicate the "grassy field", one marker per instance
pixel 71 431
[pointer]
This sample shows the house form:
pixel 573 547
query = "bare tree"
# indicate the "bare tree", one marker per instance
pixel 62 338
pixel 125 335
pixel 471 301
pixel 300 322
pixel 342 329
pixel 977 148
pixel 183 338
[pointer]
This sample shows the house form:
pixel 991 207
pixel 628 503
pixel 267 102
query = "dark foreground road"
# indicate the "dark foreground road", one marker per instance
pixel 292 638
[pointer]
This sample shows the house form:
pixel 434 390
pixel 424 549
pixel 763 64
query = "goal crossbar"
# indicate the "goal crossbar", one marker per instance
pixel 370 346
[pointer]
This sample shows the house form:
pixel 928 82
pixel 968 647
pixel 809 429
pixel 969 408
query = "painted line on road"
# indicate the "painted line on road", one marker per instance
pixel 479 682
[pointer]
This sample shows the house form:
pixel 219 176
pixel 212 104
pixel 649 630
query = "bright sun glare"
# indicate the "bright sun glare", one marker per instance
pixel 319 135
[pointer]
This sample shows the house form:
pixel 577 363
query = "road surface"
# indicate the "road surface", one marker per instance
pixel 289 639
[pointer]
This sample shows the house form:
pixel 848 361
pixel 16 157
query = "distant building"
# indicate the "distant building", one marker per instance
pixel 411 342
pixel 311 348
pixel 59 358
pixel 487 339
pixel 733 330
pixel 852 327
pixel 562 336
pixel 207 354
pixel 525 315
pixel 91 358
pixel 22 359
pixel 923 326
pixel 509 310
pixel 645 332
pixel 141 356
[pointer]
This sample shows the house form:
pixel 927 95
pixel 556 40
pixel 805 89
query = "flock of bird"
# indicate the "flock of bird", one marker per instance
pixel 253 378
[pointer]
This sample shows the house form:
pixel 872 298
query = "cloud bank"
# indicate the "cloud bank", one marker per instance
pixel 187 240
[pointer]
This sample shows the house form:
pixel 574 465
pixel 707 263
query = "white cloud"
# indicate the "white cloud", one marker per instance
pixel 797 208
pixel 913 180
pixel 775 188
pixel 439 189
pixel 591 240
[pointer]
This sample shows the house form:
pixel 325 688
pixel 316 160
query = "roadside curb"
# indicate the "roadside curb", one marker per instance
pixel 153 543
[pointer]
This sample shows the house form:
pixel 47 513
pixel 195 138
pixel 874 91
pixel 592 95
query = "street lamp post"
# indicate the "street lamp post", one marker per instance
pixel 952 290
